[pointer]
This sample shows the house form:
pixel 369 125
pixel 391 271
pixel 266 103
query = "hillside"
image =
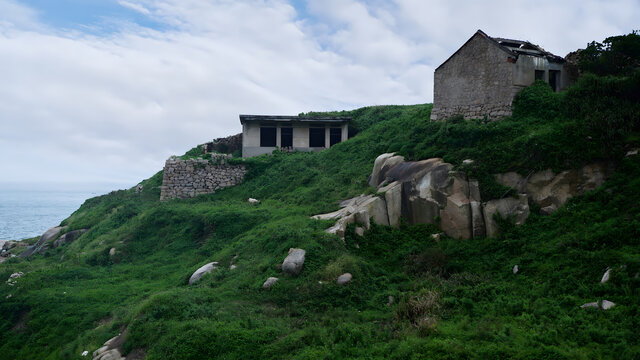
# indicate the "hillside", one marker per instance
pixel 411 296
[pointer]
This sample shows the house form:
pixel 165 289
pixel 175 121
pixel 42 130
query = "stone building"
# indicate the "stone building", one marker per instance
pixel 483 76
pixel 262 134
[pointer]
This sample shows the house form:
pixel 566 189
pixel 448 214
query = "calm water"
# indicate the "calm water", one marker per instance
pixel 25 213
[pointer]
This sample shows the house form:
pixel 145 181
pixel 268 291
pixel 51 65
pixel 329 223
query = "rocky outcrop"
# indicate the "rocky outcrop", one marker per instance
pixel 428 190
pixel 550 190
pixel 204 269
pixel 111 349
pixel 48 235
pixel 294 262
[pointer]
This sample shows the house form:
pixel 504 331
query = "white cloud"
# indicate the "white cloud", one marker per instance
pixel 113 107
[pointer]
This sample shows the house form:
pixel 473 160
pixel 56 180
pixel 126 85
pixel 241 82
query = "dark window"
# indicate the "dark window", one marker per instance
pixel 553 79
pixel 316 137
pixel 335 136
pixel 267 136
pixel 286 137
pixel 539 74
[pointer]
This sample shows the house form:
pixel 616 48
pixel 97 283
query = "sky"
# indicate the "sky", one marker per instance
pixel 96 92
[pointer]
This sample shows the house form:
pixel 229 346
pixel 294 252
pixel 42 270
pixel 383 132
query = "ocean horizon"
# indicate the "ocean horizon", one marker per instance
pixel 28 210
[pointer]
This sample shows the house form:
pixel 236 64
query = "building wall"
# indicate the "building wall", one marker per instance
pixel 481 80
pixel 251 137
pixel 188 178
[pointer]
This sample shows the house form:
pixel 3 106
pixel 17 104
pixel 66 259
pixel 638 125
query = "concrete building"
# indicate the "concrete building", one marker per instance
pixel 262 134
pixel 484 75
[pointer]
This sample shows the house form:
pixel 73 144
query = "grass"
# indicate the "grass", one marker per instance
pixel 450 298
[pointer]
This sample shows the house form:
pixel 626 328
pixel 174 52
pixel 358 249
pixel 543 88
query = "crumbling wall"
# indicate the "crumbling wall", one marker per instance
pixel 188 178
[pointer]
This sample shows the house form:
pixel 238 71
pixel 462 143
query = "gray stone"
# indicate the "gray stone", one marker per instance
pixel 548 210
pixel 48 235
pixel 204 269
pixel 393 200
pixel 294 262
pixel 377 208
pixel 606 304
pixel 606 276
pixel 68 237
pixel 344 279
pixel 269 282
pixel 455 218
pixel 519 208
pixel 112 251
pixel 515 269
pixel 253 201
pixel 590 305
pixel 377 166
pixel 359 231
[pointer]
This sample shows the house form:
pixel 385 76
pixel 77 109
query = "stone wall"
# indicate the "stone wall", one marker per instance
pixel 476 81
pixel 188 178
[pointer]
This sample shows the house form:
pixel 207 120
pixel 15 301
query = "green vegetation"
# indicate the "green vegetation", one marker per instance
pixel 411 297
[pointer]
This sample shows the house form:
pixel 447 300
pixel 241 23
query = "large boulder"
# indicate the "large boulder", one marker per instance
pixel 294 262
pixel 377 166
pixel 393 200
pixel 377 209
pixel 47 236
pixel 204 269
pixel 518 208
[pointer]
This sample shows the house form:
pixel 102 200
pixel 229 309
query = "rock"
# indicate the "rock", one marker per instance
pixel 294 262
pixel 112 354
pixel 344 279
pixel 393 200
pixel 362 217
pixel 48 235
pixel 633 152
pixel 68 237
pixel 377 166
pixel 204 269
pixel 376 208
pixel 390 301
pixel 270 282
pixel 512 180
pixel 606 276
pixel 232 267
pixel 589 305
pixel 359 231
pixel 139 188
pixel 436 237
pixel 606 304
pixel 253 201
pixel 477 217
pixel 519 208
pixel 467 162
pixel 515 269
pixel 100 351
pixel 112 251
pixel 455 220
pixel 85 353
pixel 548 210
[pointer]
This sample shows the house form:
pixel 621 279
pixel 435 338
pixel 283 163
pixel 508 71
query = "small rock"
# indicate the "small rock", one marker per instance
pixel 436 237
pixel 253 201
pixel 632 152
pixel 467 162
pixel 390 302
pixel 270 282
pixel 359 231
pixel 294 262
pixel 515 269
pixel 589 305
pixel 344 279
pixel 606 276
pixel 204 269
pixel 85 353
pixel 606 304
pixel 232 267
pixel 112 251
pixel 548 210
pixel 139 188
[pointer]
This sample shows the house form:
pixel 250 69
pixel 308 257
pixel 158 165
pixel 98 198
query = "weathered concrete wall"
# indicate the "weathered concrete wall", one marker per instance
pixel 474 82
pixel 188 178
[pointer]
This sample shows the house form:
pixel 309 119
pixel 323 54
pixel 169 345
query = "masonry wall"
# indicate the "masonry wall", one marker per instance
pixel 188 178
pixel 476 81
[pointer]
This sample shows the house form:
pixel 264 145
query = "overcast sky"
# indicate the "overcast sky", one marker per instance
pixel 104 91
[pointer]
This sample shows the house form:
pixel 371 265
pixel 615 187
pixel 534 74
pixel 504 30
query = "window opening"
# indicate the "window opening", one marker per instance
pixel 267 136
pixel 286 137
pixel 335 136
pixel 316 137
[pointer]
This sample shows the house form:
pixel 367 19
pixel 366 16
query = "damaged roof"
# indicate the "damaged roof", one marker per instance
pixel 514 48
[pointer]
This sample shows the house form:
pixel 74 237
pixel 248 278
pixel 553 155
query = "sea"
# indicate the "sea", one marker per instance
pixel 29 210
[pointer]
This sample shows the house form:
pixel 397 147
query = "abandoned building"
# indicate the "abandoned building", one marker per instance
pixel 483 76
pixel 262 134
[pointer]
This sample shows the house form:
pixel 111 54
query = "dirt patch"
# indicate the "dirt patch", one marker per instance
pixel 20 325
